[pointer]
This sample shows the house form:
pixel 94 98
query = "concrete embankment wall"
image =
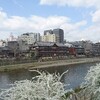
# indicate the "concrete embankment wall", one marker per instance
pixel 46 64
pixel 66 62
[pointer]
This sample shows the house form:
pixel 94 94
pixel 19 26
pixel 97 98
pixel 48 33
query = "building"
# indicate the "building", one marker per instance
pixel 49 49
pixel 23 46
pixel 18 47
pixel 96 49
pixel 56 35
pixel 5 52
pixel 48 32
pixel 14 47
pixel 49 38
pixel 2 43
pixel 86 45
pixel 30 38
pixel 59 35
pixel 79 50
pixel 11 38
pixel 71 49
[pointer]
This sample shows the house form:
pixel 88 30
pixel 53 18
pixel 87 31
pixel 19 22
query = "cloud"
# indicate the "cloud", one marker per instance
pixel 73 31
pixel 31 23
pixel 91 33
pixel 75 3
pixel 17 24
pixel 96 16
pixel 2 15
pixel 69 27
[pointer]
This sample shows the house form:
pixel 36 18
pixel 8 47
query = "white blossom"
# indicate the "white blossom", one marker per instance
pixel 92 82
pixel 45 86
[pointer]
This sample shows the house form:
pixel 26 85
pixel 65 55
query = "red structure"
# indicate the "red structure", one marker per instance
pixel 72 51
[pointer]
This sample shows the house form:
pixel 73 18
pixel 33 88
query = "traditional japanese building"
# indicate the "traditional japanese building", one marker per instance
pixel 49 49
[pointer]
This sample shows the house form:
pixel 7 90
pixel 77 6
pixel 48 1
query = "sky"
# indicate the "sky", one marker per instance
pixel 80 19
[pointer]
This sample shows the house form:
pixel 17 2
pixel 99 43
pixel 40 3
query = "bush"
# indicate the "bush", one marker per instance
pixel 41 87
pixel 92 82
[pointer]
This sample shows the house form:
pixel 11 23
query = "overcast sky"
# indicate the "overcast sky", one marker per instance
pixel 80 19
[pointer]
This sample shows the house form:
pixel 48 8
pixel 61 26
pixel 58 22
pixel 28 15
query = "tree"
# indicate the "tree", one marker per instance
pixel 41 87
pixel 92 82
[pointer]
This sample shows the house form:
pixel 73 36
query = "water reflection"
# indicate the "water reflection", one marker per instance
pixel 74 77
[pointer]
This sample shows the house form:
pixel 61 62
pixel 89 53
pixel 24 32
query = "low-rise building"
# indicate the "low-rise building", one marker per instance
pixel 96 49
pixel 23 46
pixel 14 47
pixel 83 46
pixel 5 52
pixel 2 43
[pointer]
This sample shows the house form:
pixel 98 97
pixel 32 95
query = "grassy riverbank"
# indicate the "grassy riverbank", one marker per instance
pixel 36 65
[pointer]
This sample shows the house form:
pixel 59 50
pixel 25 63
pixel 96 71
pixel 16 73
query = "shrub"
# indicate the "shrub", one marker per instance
pixel 41 87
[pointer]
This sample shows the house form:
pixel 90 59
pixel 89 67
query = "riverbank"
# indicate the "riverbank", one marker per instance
pixel 56 63
pixel 68 62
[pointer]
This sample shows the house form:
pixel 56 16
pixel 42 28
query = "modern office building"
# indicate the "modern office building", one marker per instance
pixel 30 38
pixel 59 34
pixel 48 32
pixel 56 35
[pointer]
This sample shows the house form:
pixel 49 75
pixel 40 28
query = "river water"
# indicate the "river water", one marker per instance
pixel 74 77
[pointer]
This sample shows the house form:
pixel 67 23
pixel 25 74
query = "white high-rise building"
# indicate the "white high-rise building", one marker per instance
pixel 29 38
pixel 49 38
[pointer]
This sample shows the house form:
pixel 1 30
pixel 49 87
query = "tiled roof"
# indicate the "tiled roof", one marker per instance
pixel 69 45
pixel 48 44
pixel 43 44
pixel 4 48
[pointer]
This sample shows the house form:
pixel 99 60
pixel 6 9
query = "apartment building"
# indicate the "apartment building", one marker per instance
pixel 29 38
pixel 49 38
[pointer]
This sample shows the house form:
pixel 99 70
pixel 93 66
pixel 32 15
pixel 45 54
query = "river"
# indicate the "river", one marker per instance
pixel 74 77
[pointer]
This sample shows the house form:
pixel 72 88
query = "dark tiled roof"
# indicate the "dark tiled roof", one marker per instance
pixel 43 44
pixel 12 41
pixel 61 45
pixel 4 48
pixel 48 44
